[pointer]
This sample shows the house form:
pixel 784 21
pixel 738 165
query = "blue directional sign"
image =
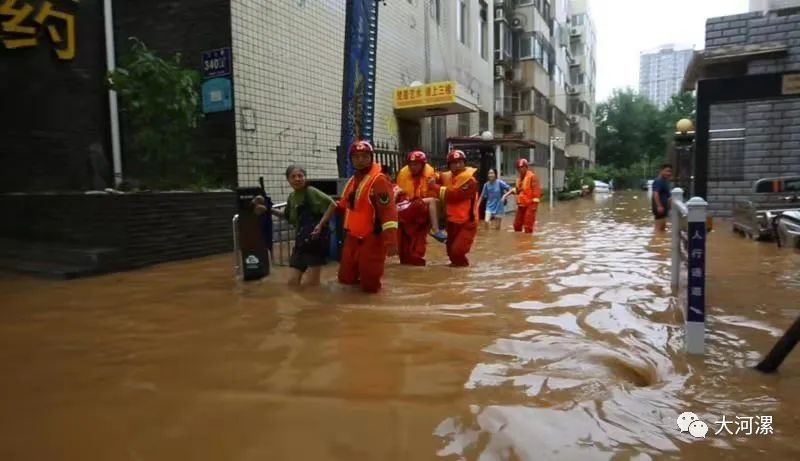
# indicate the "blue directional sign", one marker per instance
pixel 697 272
pixel 217 63
pixel 217 95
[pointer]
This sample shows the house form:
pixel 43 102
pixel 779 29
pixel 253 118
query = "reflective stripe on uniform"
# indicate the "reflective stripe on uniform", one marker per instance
pixel 390 225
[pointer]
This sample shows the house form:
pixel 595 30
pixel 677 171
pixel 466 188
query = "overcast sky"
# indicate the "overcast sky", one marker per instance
pixel 627 27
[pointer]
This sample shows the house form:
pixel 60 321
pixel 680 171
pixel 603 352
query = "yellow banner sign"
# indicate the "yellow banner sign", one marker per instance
pixel 431 94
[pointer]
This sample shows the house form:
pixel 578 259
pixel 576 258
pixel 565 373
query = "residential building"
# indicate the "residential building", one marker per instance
pixel 754 138
pixel 536 97
pixel 582 55
pixel 661 72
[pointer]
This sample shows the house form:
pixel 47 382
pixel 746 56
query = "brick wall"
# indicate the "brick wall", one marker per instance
pixel 771 145
pixel 53 111
pixel 144 228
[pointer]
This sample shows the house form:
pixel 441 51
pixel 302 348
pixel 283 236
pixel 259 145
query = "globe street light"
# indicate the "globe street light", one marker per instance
pixel 684 126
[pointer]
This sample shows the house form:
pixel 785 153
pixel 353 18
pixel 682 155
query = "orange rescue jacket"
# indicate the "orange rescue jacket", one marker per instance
pixel 360 218
pixel 460 196
pixel 528 189
pixel 415 187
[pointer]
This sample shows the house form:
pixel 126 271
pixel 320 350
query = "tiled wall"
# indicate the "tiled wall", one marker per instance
pixel 287 71
pixel 288 80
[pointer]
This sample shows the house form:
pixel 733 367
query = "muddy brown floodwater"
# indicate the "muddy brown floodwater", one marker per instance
pixel 565 346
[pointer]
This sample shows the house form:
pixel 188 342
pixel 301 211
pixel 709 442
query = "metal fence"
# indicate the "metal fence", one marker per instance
pixel 282 239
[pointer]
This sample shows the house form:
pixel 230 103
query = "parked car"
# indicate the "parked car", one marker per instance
pixel 754 215
pixel 601 188
pixel 787 229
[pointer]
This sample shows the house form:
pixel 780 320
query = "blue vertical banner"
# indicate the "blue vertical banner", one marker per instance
pixel 697 272
pixel 358 91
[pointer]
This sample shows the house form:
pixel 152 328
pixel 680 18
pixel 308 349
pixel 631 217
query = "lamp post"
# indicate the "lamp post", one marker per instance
pixel 684 140
pixel 552 167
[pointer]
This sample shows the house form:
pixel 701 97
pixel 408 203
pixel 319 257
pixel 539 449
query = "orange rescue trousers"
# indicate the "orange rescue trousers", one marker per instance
pixel 362 262
pixel 459 242
pixel 526 217
pixel 413 235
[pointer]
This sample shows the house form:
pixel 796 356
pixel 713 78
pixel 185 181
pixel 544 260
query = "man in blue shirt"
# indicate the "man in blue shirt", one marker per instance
pixel 661 197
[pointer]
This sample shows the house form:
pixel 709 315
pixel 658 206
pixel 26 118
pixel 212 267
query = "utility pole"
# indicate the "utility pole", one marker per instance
pixel 551 187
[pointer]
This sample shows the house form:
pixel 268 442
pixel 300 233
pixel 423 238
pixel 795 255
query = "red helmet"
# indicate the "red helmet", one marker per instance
pixel 455 155
pixel 361 146
pixel 522 163
pixel 417 156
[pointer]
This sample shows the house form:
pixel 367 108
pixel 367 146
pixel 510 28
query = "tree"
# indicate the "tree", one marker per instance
pixel 633 135
pixel 161 105
pixel 629 130
pixel 683 105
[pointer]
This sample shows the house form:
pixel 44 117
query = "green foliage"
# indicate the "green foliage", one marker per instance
pixel 633 135
pixel 161 106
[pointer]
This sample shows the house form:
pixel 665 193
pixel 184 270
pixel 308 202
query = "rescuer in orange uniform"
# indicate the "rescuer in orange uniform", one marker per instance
pixel 529 193
pixel 417 209
pixel 458 190
pixel 370 221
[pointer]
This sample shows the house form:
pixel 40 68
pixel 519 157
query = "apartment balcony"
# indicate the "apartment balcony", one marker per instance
pixel 502 108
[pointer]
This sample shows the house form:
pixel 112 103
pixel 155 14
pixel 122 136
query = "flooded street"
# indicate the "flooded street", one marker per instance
pixel 565 346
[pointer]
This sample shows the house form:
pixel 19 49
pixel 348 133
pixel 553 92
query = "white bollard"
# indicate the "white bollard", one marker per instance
pixel 696 299
pixel 675 221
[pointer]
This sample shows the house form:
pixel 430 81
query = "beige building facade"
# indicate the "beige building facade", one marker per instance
pixel 540 83
pixel 288 80
pixel 583 90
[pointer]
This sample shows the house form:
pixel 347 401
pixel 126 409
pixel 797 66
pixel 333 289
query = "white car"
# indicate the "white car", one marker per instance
pixel 601 187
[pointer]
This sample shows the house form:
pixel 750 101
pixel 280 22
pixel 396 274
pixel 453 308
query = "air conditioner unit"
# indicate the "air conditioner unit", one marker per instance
pixel 499 72
pixel 499 13
pixel 573 90
pixel 575 31
pixel 516 23
pixel 573 119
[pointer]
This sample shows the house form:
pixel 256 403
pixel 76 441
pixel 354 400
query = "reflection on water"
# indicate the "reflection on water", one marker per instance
pixel 564 346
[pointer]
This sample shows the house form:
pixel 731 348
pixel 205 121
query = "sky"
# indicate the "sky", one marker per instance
pixel 627 27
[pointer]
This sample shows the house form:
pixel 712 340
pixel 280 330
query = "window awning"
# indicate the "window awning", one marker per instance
pixel 437 98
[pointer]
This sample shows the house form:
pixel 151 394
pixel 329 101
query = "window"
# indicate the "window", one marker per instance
pixel 521 101
pixel 483 121
pixel 463 124
pixel 524 2
pixel 523 49
pixel 438 135
pixel 437 11
pixel 461 20
pixel 502 41
pixel 546 11
pixel 482 30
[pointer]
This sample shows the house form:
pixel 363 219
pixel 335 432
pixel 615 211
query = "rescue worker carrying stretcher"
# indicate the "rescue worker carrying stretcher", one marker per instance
pixel 370 221
pixel 417 209
pixel 529 194
pixel 458 190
